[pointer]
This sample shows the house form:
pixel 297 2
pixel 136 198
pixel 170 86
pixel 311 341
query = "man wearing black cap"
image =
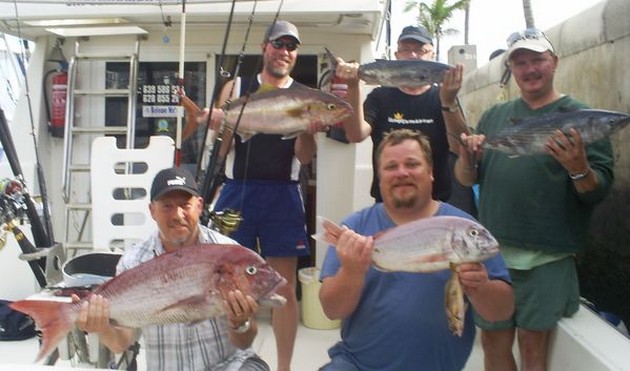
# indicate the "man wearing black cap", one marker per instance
pixel 538 207
pixel 430 109
pixel 218 343
pixel 262 183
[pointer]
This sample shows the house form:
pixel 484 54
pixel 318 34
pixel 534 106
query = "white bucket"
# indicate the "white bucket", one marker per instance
pixel 312 313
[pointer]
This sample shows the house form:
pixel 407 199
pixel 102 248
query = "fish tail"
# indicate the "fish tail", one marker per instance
pixel 333 59
pixel 330 231
pixel 51 317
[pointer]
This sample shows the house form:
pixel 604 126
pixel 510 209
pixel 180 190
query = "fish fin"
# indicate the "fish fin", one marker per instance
pixel 265 87
pixel 290 135
pixel 51 317
pixel 331 56
pixel 330 231
pixel 246 136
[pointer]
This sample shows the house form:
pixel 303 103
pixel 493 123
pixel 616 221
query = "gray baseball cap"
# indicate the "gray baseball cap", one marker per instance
pixel 281 29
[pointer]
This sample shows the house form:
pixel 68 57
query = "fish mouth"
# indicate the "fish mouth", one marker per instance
pixel 270 298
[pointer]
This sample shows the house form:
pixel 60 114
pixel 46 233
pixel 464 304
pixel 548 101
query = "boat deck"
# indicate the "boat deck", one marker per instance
pixel 310 351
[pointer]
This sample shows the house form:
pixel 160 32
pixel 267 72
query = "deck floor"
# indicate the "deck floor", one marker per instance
pixel 310 350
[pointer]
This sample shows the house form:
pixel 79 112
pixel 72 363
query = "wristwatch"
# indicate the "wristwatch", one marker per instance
pixel 243 328
pixel 453 108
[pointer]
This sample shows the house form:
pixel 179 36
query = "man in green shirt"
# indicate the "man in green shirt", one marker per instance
pixel 537 206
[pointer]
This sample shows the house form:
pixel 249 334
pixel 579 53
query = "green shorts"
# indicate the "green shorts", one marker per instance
pixel 543 295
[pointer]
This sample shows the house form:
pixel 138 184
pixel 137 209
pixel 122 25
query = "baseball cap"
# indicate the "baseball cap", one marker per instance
pixel 173 179
pixel 532 39
pixel 282 28
pixel 417 33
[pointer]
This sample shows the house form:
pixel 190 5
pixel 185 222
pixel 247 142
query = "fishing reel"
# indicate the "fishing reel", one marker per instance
pixel 226 221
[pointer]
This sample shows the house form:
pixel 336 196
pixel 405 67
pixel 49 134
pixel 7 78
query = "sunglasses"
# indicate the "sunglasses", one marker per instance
pixel 279 44
pixel 528 34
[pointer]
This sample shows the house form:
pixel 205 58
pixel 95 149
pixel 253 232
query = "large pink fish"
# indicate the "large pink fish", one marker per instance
pixel 181 286
pixel 425 245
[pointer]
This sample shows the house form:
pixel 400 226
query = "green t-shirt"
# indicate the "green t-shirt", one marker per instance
pixel 529 202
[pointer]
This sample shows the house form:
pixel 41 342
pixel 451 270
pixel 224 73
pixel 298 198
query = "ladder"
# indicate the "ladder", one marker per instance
pixel 79 133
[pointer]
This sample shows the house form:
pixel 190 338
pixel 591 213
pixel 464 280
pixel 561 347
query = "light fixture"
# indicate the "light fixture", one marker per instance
pixel 56 54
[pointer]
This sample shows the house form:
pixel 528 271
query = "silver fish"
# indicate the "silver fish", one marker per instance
pixel 287 112
pixel 529 136
pixel 425 245
pixel 181 286
pixel 399 73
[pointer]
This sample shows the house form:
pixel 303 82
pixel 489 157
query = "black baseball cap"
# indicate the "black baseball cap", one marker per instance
pixel 417 33
pixel 173 179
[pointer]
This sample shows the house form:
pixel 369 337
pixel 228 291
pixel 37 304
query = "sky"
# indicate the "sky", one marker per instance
pixel 492 21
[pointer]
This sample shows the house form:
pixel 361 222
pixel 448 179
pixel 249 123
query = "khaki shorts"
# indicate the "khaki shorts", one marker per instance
pixel 543 295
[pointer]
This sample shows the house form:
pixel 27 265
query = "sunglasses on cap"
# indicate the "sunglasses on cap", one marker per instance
pixel 527 34
pixel 279 44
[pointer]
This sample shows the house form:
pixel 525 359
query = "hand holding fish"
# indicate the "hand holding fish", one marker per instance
pixel 472 276
pixel 450 85
pixel 354 251
pixel 347 71
pixel 239 308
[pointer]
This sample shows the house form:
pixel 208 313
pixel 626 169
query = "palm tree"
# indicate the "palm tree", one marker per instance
pixel 529 14
pixel 434 16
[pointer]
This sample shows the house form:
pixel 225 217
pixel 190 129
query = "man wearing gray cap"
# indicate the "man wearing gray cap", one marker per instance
pixel 538 207
pixel 262 183
pixel 430 109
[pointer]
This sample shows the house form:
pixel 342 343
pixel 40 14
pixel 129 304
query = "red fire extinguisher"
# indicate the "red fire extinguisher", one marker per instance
pixel 58 109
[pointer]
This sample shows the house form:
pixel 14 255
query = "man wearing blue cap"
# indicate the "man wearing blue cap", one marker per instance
pixel 430 109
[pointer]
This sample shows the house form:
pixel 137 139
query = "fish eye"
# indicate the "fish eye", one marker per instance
pixel 251 270
pixel 474 232
pixel 331 106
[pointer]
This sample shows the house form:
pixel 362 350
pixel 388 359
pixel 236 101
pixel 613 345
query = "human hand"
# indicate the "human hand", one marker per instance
pixel 347 72
pixel 216 119
pixel 354 251
pixel 568 150
pixel 471 148
pixel 472 276
pixel 450 85
pixel 239 308
pixel 94 314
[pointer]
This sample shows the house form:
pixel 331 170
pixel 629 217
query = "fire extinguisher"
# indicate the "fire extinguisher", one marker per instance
pixel 58 109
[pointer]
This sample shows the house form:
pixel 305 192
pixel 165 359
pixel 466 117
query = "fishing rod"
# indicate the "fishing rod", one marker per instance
pixel 180 84
pixel 7 216
pixel 39 233
pixel 42 232
pixel 212 179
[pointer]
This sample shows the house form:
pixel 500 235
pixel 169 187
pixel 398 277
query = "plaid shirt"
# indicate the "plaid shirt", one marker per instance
pixel 185 346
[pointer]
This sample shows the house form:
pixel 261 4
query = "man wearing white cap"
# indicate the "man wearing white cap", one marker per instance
pixel 538 207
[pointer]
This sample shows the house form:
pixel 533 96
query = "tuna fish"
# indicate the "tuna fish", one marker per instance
pixel 529 136
pixel 287 112
pixel 181 286
pixel 425 245
pixel 400 73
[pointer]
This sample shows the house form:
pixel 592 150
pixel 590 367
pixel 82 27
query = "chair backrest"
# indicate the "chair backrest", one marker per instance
pixel 121 183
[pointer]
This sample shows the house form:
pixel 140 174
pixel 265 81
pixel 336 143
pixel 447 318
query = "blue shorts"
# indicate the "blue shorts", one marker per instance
pixel 274 222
